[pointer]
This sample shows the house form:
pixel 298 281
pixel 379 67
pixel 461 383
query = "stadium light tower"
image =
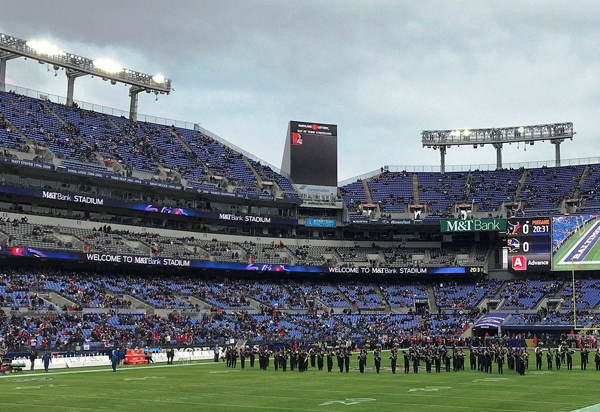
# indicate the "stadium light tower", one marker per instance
pixel 556 133
pixel 77 66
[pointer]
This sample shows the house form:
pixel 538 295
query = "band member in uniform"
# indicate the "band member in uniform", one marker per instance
pixel 437 359
pixel 393 359
pixel 320 356
pixel 521 360
pixel 293 359
pixel 461 360
pixel 428 361
pixel 406 362
pixel 557 359
pixel 277 359
pixel 377 359
pixel 347 356
pixel 228 357
pixel 362 360
pixel 549 357
pixel 487 360
pixel 283 360
pixel 330 356
pixel 234 357
pixel 252 357
pixel 585 353
pixel 538 358
pixel 500 361
pixel 242 358
pixel 415 359
pixel 570 353
pixel 597 359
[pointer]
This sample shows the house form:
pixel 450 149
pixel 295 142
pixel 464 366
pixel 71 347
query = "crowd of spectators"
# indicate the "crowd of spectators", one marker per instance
pixel 526 293
pixel 257 310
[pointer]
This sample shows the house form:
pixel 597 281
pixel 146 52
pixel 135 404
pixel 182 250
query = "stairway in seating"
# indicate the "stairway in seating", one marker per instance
pixel 367 192
pixel 520 185
pixel 433 307
pixel 64 123
pixel 252 169
pixel 382 298
pixel 415 179
pixel 584 176
pixel 189 149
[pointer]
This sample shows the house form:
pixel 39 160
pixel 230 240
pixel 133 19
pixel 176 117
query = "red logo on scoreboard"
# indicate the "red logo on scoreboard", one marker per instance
pixel 296 139
pixel 315 127
pixel 519 262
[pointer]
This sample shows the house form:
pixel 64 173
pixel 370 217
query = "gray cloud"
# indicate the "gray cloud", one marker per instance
pixel 382 70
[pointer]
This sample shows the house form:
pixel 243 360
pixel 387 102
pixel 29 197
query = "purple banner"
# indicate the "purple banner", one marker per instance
pixel 491 321
pixel 28 163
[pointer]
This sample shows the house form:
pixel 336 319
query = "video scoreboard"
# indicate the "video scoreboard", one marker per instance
pixel 310 154
pixel 529 243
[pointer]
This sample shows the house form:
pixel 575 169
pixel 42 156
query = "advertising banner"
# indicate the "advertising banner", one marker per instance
pixel 146 207
pixel 207 264
pixel 473 225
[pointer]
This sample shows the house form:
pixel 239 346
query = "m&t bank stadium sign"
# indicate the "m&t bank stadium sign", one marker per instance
pixel 473 225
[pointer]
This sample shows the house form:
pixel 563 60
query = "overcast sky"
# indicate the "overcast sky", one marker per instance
pixel 383 71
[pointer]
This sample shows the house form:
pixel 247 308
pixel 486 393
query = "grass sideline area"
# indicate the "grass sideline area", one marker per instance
pixel 208 386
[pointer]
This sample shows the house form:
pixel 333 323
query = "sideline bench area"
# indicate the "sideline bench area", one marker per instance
pixel 89 360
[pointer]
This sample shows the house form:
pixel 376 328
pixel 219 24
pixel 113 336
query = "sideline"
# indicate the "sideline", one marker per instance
pixel 107 369
pixel 591 408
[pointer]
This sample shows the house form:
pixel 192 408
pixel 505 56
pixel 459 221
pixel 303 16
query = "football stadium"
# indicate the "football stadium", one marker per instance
pixel 149 264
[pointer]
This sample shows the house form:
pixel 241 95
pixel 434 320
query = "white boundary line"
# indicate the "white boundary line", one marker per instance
pixel 106 369
pixel 591 408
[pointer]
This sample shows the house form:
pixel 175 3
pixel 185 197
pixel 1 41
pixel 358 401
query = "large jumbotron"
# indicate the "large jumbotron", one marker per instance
pixel 128 241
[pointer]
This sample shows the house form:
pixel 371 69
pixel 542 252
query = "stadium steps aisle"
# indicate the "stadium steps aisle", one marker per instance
pixel 59 300
pixel 137 303
pixel 365 185
pixel 520 185
pixel 257 304
pixel 64 123
pixel 468 181
pixel 433 307
pixel 584 176
pixel 415 179
pixel 498 295
pixel 343 295
pixel 137 246
pixel 388 308
pixel 197 300
pixel 19 132
pixel 559 294
pixel 252 169
pixel 181 141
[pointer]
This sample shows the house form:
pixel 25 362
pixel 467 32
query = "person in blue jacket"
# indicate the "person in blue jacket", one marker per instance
pixel 114 360
pixel 46 359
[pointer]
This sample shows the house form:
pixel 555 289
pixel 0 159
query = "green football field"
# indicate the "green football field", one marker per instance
pixel 208 386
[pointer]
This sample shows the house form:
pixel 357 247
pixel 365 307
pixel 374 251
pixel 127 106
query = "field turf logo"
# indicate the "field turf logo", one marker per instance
pixel 473 225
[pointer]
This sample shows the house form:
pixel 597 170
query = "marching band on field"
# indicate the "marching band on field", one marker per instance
pixel 433 358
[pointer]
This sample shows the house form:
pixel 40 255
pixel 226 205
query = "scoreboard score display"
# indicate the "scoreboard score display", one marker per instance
pixel 529 243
